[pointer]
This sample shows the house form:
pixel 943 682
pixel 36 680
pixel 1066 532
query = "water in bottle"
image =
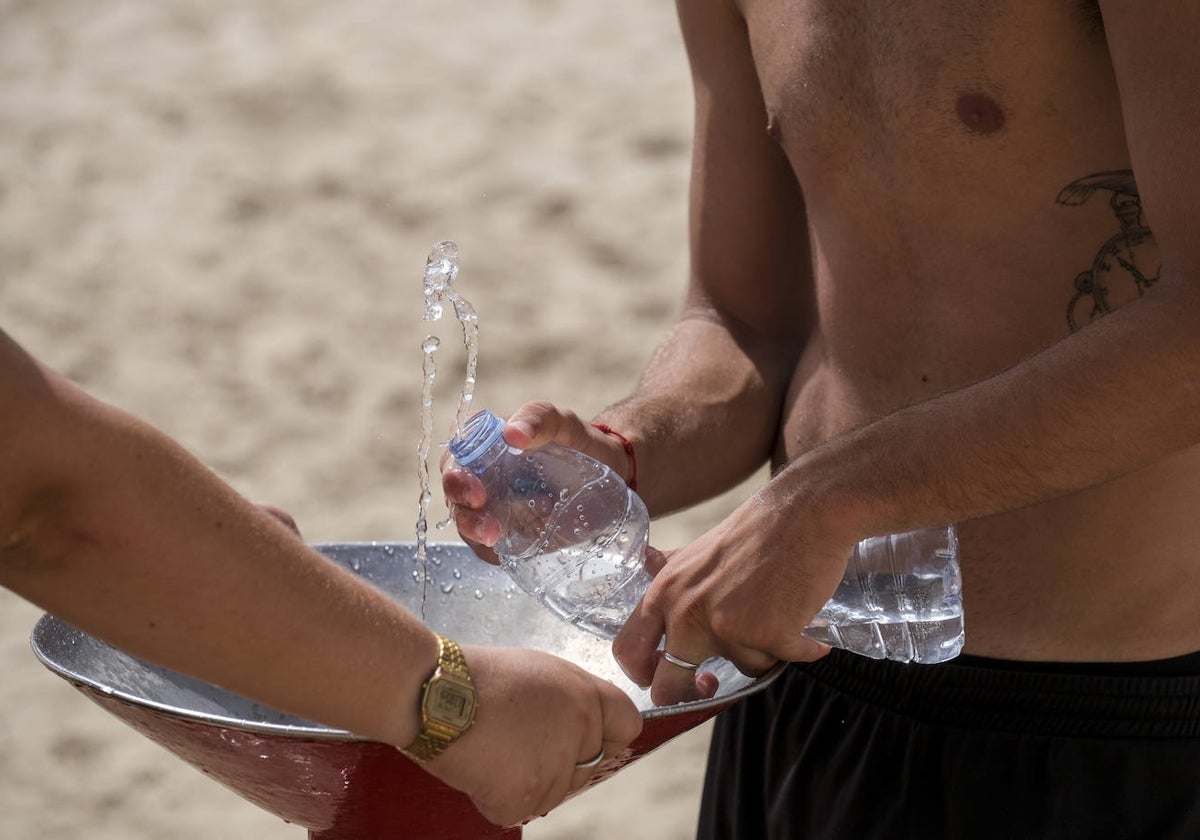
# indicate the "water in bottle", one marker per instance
pixel 573 533
pixel 900 598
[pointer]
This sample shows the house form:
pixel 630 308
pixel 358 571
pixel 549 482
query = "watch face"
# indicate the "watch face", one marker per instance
pixel 451 703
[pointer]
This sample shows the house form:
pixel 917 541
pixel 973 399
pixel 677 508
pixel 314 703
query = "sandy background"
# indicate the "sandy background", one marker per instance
pixel 216 215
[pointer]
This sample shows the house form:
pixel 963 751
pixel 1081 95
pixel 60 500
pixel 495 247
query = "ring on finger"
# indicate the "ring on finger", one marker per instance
pixel 681 663
pixel 591 762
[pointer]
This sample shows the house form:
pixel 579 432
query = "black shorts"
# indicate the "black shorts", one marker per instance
pixel 850 748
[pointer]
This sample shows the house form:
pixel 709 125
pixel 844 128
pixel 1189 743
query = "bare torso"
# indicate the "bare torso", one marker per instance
pixel 965 174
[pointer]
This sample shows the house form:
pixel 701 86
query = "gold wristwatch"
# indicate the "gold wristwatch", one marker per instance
pixel 447 704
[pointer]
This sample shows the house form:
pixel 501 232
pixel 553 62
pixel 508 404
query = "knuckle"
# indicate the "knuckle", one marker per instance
pixel 537 412
pixel 726 624
pixel 627 646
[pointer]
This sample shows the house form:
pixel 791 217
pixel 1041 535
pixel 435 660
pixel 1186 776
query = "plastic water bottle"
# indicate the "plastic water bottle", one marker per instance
pixel 572 532
pixel 900 598
pixel 573 536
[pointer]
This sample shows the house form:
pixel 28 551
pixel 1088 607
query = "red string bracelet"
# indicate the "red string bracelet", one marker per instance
pixel 609 430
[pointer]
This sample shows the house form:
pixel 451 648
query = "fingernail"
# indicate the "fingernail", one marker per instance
pixel 522 427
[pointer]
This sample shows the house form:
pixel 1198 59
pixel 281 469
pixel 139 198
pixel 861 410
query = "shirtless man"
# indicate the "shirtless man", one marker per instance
pixel 925 287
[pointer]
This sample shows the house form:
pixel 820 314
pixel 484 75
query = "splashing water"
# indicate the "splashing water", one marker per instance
pixel 441 270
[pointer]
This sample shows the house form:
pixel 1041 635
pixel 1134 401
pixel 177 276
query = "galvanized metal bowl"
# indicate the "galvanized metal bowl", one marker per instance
pixel 328 780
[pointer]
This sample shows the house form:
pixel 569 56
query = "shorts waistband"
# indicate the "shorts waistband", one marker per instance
pixel 1158 699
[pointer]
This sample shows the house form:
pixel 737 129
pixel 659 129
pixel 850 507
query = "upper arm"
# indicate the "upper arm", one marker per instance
pixel 749 240
pixel 1157 65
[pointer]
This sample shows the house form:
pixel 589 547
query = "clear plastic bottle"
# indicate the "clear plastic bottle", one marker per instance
pixel 573 536
pixel 572 532
pixel 900 598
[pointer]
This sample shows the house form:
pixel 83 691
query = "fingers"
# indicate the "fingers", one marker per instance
pixel 476 526
pixel 537 423
pixel 466 496
pixel 635 645
pixel 654 560
pixel 621 724
pixel 621 720
pixel 551 726
pixel 463 489
pixel 672 673
pixel 679 680
pixel 676 679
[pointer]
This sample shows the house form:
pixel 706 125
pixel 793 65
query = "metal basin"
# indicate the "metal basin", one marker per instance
pixel 336 785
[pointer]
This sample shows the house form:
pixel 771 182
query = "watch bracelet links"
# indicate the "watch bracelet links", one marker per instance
pixel 433 738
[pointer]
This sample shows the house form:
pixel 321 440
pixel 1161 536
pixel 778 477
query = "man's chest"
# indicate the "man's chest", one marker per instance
pixel 856 85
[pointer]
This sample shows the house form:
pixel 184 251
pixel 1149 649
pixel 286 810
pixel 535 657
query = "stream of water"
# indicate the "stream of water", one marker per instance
pixel 441 270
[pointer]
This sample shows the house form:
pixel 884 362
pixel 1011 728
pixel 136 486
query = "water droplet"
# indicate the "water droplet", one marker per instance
pixel 432 343
pixel 447 588
pixel 478 594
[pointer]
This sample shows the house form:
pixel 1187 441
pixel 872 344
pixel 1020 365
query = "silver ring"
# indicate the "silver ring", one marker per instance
pixel 589 764
pixel 682 663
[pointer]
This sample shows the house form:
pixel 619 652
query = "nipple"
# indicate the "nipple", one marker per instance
pixel 773 130
pixel 979 113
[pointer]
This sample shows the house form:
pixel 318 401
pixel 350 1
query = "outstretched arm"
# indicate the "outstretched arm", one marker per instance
pixel 113 527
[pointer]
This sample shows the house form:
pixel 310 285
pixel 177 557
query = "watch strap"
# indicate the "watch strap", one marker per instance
pixel 435 736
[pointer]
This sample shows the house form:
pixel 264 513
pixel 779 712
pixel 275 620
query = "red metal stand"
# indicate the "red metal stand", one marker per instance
pixel 348 790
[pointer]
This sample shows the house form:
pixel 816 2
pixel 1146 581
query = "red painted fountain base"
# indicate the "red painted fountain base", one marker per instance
pixel 345 789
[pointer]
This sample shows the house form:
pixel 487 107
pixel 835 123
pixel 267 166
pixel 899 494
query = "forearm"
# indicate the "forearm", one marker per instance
pixel 121 532
pixel 704 414
pixel 1045 428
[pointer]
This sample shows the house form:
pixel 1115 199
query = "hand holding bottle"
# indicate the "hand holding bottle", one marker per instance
pixel 584 570
pixel 531 426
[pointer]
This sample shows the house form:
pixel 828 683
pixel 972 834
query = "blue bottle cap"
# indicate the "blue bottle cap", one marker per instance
pixel 476 437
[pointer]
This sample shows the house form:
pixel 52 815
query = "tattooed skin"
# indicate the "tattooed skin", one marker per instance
pixel 1126 264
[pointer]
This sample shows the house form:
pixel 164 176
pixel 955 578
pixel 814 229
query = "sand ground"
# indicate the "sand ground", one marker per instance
pixel 216 214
